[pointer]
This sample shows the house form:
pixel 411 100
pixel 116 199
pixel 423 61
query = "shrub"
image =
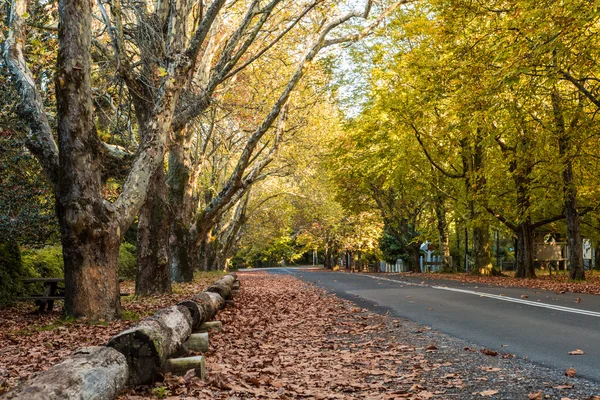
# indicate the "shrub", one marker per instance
pixel 45 262
pixel 127 260
pixel 11 272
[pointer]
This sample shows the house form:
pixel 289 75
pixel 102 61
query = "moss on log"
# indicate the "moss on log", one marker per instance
pixel 149 344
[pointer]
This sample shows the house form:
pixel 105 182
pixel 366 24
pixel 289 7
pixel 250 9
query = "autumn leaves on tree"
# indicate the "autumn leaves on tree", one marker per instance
pixel 480 116
pixel 174 64
pixel 219 131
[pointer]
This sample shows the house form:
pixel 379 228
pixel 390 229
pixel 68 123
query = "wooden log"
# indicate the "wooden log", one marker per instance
pixel 211 326
pixel 229 303
pixel 197 342
pixel 207 306
pixel 149 344
pixel 217 301
pixel 195 312
pixel 222 286
pixel 236 285
pixel 94 373
pixel 180 366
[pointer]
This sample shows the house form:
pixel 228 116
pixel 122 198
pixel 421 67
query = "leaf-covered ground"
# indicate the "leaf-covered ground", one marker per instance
pixel 557 282
pixel 30 342
pixel 285 339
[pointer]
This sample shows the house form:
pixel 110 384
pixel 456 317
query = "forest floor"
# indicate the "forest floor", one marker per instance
pixel 287 339
pixel 31 342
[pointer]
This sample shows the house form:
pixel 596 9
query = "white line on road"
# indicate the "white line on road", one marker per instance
pixel 495 296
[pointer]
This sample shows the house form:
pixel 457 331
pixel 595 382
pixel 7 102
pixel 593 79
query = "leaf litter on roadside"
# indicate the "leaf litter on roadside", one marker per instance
pixel 286 339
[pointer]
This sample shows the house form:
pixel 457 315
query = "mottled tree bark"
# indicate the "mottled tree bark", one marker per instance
pixel 179 181
pixel 524 252
pixel 153 269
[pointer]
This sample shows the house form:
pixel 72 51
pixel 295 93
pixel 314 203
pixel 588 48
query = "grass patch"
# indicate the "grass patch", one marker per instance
pixel 128 315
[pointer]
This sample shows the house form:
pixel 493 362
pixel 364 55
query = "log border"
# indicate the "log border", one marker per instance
pixel 145 347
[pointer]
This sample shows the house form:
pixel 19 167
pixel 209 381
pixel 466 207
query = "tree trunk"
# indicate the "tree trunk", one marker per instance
pixel 153 269
pixel 91 269
pixel 481 250
pixel 524 253
pixel 179 183
pixel 442 225
pixel 575 256
pixel 475 185
pixel 414 251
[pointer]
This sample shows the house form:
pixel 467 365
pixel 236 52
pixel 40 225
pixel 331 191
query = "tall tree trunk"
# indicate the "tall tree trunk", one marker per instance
pixel 153 270
pixel 525 267
pixel 481 232
pixel 475 185
pixel 91 268
pixel 414 252
pixel 442 225
pixel 90 234
pixel 575 256
pixel 179 184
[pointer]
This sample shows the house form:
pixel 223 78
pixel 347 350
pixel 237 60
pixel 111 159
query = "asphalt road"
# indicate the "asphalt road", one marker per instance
pixel 543 327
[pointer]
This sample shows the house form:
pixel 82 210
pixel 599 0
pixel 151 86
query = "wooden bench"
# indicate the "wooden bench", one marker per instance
pixel 52 292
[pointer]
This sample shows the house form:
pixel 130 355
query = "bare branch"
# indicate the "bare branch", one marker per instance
pixel 31 108
pixel 436 165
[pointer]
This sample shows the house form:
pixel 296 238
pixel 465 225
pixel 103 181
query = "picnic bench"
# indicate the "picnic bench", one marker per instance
pixel 52 292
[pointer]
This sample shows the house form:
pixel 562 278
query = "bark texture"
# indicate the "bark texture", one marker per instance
pixel 222 286
pixel 149 344
pixel 91 373
pixel 153 269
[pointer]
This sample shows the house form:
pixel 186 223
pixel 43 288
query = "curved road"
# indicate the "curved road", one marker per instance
pixel 540 325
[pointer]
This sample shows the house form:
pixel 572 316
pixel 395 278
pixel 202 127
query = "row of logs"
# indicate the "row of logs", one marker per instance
pixel 132 357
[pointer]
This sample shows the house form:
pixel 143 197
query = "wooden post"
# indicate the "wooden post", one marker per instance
pixel 180 366
pixel 211 326
pixel 198 342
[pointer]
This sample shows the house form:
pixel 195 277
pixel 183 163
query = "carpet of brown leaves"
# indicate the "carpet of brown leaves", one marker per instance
pixel 30 342
pixel 285 339
pixel 558 283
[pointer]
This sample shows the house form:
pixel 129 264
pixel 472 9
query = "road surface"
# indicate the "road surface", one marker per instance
pixel 535 324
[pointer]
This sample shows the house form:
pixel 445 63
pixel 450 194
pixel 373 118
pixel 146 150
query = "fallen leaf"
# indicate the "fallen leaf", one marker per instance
pixel 425 394
pixel 577 352
pixel 524 296
pixel 535 396
pixel 571 372
pixel 490 392
pixel 431 347
pixel 578 300
pixel 564 387
pixel 489 352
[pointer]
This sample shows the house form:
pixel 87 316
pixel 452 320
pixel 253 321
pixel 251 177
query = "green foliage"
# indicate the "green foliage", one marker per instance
pixel 161 392
pixel 127 260
pixel 11 272
pixel 26 201
pixel 281 248
pixel 43 263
